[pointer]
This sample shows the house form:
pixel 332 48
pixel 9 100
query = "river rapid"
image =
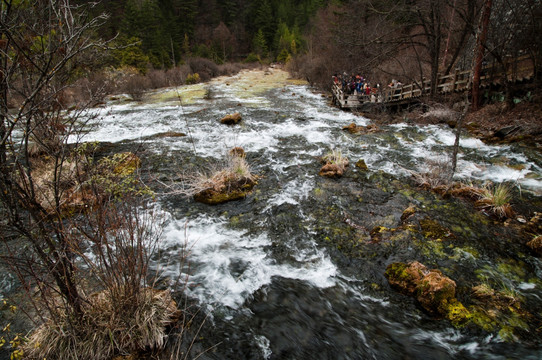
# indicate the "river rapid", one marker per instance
pixel 294 270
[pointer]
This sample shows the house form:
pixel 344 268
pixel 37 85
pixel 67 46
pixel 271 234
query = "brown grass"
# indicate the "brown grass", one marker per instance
pixel 496 199
pixel 234 170
pixel 438 175
pixel 112 325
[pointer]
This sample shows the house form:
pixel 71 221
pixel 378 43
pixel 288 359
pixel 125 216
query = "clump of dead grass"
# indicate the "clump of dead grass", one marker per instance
pixel 111 325
pixel 437 176
pixel 234 172
pixel 335 157
pixel 496 199
pixel 335 164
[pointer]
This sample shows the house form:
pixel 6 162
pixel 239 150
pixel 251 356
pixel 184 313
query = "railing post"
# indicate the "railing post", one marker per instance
pixel 455 79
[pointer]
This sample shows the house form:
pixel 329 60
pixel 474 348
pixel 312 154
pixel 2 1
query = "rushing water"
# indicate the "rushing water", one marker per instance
pixel 278 273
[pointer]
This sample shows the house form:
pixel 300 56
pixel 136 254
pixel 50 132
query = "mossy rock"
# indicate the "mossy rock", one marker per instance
pixel 360 164
pixel 409 211
pixel 431 229
pixel 355 129
pixel 536 245
pixel 434 291
pixel 457 313
pixel 238 152
pixel 230 192
pixel 405 277
pixel 167 134
pixel 331 171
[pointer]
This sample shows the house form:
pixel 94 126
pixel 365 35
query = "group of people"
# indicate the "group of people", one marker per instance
pixel 354 84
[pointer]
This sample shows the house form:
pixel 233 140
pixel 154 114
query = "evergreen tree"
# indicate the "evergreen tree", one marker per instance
pixel 264 20
pixel 259 44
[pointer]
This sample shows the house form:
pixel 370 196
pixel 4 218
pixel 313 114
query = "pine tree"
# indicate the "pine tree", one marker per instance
pixel 259 44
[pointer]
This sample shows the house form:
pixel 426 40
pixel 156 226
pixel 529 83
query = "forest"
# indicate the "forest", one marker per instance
pixel 382 39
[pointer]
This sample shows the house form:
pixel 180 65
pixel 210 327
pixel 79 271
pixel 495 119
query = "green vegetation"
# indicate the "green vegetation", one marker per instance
pixel 166 32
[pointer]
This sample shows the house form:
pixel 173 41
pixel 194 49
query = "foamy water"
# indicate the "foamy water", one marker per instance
pixel 287 129
pixel 307 116
pixel 227 267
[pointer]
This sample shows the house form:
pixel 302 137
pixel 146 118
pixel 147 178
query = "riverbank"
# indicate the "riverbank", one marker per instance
pixel 493 123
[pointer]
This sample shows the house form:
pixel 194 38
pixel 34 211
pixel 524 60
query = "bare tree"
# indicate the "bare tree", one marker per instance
pixel 41 44
pixel 223 40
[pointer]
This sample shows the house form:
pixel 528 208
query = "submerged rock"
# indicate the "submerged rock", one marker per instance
pixel 360 164
pixel 231 119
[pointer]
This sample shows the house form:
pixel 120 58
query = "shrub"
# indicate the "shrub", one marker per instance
pixel 157 79
pixel 193 79
pixel 136 86
pixel 177 75
pixel 204 67
pixel 252 58
pixel 229 69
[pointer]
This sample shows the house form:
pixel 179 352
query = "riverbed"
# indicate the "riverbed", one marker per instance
pixel 294 270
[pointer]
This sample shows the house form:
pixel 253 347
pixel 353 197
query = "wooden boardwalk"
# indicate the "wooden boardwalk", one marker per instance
pixel 519 70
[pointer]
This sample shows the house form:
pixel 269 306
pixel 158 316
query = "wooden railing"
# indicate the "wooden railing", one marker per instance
pixel 517 69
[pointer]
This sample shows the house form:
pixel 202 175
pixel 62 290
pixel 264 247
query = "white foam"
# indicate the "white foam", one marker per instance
pixel 292 193
pixel 526 286
pixel 264 344
pixel 228 266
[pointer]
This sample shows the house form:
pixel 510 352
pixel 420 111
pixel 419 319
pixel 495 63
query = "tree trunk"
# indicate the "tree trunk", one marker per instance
pixel 479 55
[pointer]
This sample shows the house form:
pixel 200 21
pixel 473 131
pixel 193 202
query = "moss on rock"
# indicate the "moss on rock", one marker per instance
pixel 231 192
pixel 431 229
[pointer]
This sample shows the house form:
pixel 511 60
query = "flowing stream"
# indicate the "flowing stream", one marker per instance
pixel 291 272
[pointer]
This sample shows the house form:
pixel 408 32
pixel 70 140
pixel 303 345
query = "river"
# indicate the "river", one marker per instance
pixel 291 272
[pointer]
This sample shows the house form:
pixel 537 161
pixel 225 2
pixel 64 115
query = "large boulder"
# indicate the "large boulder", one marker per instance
pixel 231 119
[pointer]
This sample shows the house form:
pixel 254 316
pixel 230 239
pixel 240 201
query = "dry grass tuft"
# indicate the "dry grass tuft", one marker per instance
pixel 438 174
pixel 336 157
pixel 220 179
pixel 112 325
pixel 496 199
